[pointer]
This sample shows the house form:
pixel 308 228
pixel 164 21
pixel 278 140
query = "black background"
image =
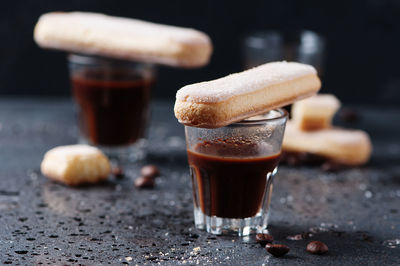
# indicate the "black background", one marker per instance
pixel 363 41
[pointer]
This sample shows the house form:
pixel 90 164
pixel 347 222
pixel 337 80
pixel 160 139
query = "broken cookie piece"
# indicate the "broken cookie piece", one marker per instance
pixel 315 112
pixel 76 165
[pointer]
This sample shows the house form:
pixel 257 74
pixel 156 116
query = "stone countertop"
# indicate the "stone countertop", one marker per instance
pixel 356 212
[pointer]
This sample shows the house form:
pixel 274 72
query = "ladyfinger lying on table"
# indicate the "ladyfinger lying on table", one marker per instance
pixel 342 146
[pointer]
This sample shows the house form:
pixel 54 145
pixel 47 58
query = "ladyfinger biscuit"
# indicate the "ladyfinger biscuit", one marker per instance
pixel 315 112
pixel 238 96
pixel 123 38
pixel 75 165
pixel 347 147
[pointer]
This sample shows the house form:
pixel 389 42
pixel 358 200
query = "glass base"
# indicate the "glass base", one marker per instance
pixel 234 226
pixel 228 226
pixel 123 154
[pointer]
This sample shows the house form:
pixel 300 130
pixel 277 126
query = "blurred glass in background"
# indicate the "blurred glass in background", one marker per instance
pixel 266 46
pixel 262 47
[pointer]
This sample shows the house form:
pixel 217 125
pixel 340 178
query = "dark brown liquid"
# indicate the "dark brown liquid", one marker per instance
pixel 113 107
pixel 230 187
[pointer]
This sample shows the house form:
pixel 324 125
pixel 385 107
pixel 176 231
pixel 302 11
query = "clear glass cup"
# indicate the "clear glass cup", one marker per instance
pixel 232 169
pixel 305 46
pixel 261 47
pixel 112 99
pixel 311 50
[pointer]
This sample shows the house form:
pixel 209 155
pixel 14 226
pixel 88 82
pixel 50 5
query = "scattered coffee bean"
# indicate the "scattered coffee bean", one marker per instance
pixel 295 237
pixel 193 236
pixel 306 235
pixel 317 247
pixel 364 236
pixel 332 166
pixel 277 250
pixel 22 219
pixel 150 170
pixel 338 233
pixel 349 115
pixel 264 239
pixel 144 182
pixel 292 160
pixel 301 158
pixel 118 172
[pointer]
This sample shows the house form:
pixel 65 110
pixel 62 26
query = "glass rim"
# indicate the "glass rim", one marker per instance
pixel 283 114
pixel 88 59
pixel 262 38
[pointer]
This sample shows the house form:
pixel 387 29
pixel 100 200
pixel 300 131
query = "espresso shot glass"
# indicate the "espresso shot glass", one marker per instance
pixel 232 169
pixel 112 100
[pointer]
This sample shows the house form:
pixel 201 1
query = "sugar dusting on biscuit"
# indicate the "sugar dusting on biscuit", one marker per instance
pixel 347 137
pixel 243 82
pixel 123 38
pixel 91 21
pixel 71 150
pixel 350 147
pixel 338 136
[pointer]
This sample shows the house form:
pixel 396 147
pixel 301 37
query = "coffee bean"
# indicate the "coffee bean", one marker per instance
pixel 295 237
pixel 277 250
pixel 264 239
pixel 22 219
pixel 293 160
pixel 150 170
pixel 349 115
pixel 144 182
pixel 330 166
pixel 302 158
pixel 118 172
pixel 317 247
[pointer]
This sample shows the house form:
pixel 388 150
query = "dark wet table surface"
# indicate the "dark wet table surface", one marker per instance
pixel 356 212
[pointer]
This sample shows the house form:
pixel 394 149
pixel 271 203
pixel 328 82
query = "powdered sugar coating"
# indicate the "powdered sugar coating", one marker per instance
pixel 74 150
pixel 338 136
pixel 243 82
pixel 345 137
pixel 91 22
